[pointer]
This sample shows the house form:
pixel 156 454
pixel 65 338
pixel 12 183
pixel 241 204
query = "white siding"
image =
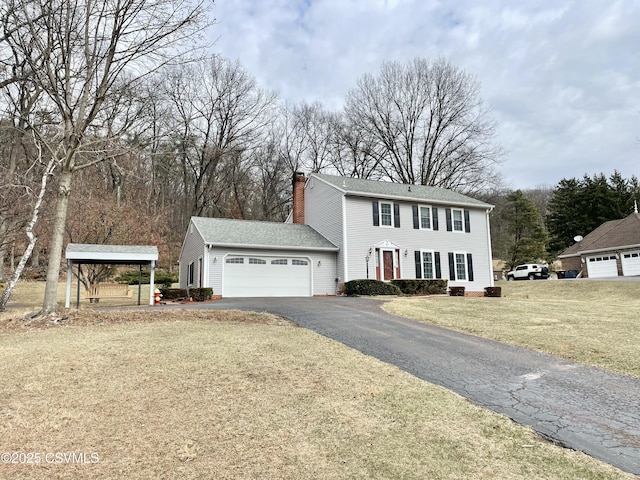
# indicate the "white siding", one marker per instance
pixel 192 250
pixel 323 213
pixel 363 235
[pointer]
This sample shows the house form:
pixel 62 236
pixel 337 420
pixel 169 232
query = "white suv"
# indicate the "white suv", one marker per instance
pixel 529 271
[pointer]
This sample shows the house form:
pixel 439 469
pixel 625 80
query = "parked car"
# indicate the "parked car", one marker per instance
pixel 529 271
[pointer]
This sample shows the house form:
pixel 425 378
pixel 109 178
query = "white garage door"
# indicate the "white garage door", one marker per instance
pixel 631 263
pixel 602 266
pixel 256 276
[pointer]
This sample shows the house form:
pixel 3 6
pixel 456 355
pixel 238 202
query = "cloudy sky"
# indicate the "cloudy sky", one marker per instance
pixel 561 77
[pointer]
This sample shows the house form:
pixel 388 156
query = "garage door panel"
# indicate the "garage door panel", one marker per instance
pixel 631 263
pixel 602 266
pixel 251 276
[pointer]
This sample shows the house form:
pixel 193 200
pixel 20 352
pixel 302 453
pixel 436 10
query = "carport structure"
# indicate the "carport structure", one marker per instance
pixel 92 254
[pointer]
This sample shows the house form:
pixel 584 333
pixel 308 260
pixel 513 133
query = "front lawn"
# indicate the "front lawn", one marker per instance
pixel 194 394
pixel 591 322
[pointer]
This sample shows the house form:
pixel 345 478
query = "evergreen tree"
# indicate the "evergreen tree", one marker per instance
pixel 565 218
pixel 579 207
pixel 527 236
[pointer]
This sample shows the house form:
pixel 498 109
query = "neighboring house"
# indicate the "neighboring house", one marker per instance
pixel 611 250
pixel 343 229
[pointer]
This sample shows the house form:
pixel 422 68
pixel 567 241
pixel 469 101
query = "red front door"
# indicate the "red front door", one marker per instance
pixel 387 259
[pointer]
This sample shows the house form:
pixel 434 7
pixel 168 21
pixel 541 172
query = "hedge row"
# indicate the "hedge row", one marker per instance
pixel 370 287
pixel 196 294
pixel 174 293
pixel 395 287
pixel 160 277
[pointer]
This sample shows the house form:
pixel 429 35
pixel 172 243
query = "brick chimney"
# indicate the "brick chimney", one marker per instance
pixel 298 197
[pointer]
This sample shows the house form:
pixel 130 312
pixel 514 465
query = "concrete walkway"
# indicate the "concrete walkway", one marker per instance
pixel 580 407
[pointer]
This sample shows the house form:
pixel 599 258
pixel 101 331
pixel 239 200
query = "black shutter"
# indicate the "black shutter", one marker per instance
pixel 416 218
pixel 396 215
pixel 470 266
pixel 434 219
pixel 449 223
pixel 418 257
pixel 436 258
pixel 452 267
pixel 467 223
pixel 376 215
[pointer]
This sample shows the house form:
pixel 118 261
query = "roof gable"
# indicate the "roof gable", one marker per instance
pixel 610 235
pixel 399 191
pixel 255 234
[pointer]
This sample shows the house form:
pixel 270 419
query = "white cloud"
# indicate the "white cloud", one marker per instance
pixel 563 80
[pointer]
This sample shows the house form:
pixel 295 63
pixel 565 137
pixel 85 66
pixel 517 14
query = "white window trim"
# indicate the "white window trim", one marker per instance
pixel 428 207
pixel 453 221
pixel 380 214
pixel 433 263
pixel 191 274
pixel 466 266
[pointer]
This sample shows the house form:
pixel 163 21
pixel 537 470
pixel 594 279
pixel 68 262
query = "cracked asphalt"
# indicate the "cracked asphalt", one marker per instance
pixel 579 407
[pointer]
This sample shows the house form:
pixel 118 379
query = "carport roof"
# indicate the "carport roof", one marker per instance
pixel 124 254
pixel 224 232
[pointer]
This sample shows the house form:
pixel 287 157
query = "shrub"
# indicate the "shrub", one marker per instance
pixel 421 286
pixel 174 293
pixel 160 277
pixel 200 294
pixel 370 287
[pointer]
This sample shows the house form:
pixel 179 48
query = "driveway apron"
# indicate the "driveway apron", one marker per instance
pixel 580 407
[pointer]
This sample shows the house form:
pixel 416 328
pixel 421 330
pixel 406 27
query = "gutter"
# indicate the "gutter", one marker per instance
pixel 271 247
pixel 600 250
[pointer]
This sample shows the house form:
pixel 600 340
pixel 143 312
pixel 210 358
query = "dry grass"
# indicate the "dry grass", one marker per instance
pixel 591 322
pixel 188 395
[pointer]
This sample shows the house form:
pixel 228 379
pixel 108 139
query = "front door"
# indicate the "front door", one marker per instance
pixel 387 259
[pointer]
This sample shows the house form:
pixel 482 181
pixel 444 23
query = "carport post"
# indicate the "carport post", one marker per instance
pixel 152 265
pixel 139 282
pixel 67 298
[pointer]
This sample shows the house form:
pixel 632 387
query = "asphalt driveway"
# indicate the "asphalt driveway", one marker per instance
pixel 580 407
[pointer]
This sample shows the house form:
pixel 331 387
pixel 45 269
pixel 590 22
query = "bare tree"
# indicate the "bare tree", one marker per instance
pixel 427 124
pixel 80 53
pixel 220 116
pixel 35 212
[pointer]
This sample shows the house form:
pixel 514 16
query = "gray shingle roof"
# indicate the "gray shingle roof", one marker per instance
pixel 608 236
pixel 250 233
pixel 400 191
pixel 89 251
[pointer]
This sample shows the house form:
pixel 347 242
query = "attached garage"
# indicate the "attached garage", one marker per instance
pixel 243 258
pixel 631 263
pixel 602 266
pixel 277 276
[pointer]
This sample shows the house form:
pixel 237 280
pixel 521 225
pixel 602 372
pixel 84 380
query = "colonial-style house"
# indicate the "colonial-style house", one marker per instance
pixel 343 229
pixel 611 250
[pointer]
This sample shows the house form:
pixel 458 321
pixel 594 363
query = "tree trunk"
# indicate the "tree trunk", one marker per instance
pixel 32 238
pixel 50 303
